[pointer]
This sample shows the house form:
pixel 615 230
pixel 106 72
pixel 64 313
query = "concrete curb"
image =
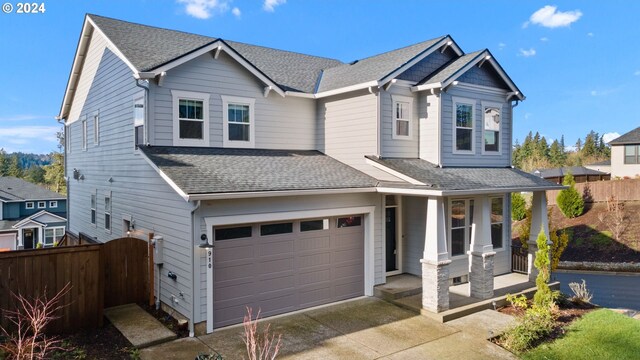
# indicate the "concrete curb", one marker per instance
pixel 599 266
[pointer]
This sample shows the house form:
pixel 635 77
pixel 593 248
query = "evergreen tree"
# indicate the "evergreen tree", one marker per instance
pixel 579 144
pixel 562 143
pixel 590 146
pixel 4 163
pixel 556 154
pixel 14 167
pixel 35 174
pixel 54 173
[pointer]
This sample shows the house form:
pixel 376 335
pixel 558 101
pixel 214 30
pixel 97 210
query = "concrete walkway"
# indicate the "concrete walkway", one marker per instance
pixel 367 328
pixel 138 326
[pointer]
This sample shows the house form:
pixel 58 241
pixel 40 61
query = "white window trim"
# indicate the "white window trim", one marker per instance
pixel 467 228
pixel 93 208
pixel 487 104
pixel 84 133
pixel 504 226
pixel 44 204
pixel 189 95
pixel 136 122
pixel 29 205
pixel 226 100
pixel 53 204
pixel 109 211
pixel 44 235
pixel 404 99
pixel 96 128
pixel 466 101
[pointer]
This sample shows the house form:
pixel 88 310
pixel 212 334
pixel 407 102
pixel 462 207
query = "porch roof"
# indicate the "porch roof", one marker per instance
pixel 7 225
pixel 429 176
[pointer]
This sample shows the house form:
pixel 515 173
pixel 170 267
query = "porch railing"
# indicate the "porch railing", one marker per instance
pixel 519 259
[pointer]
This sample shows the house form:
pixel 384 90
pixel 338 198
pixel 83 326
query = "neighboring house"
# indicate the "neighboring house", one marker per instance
pixel 625 155
pixel 603 166
pixel 580 174
pixel 30 214
pixel 314 180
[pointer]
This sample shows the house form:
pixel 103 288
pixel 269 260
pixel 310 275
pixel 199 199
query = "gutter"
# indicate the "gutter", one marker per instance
pixel 145 123
pixel 262 194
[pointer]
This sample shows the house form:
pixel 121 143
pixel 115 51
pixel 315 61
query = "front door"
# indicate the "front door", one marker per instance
pixel 28 237
pixel 391 240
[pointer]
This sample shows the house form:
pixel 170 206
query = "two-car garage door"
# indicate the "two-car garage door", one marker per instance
pixel 286 266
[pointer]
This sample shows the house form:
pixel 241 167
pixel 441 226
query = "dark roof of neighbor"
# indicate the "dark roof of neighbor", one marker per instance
pixel 14 189
pixel 464 178
pixel 148 47
pixel 221 170
pixel 372 68
pixel 632 137
pixel 561 172
pixel 603 162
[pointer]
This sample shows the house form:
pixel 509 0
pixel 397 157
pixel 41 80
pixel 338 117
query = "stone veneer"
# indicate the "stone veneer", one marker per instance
pixel 435 285
pixel 481 275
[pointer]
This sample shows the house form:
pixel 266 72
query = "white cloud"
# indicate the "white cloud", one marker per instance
pixel 549 16
pixel 527 116
pixel 270 5
pixel 590 34
pixel 594 93
pixel 610 136
pixel 21 137
pixel 203 9
pixel 544 39
pixel 24 117
pixel 637 73
pixel 236 12
pixel 603 92
pixel 502 45
pixel 527 53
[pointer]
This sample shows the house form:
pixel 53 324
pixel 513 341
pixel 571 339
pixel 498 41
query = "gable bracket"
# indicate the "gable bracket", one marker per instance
pixel 444 48
pixel 267 89
pixel 160 78
pixel 483 60
pixel 216 53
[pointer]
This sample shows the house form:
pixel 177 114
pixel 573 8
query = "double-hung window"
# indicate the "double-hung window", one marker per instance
pixel 491 128
pixel 632 154
pixel 93 209
pixel 460 222
pixel 402 113
pixel 84 133
pixel 463 134
pixel 238 128
pixel 138 121
pixel 497 222
pixel 52 236
pixel 96 129
pixel 190 118
pixel 107 212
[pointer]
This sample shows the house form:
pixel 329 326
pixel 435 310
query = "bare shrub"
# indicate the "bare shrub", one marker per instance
pixel 615 219
pixel 25 336
pixel 580 292
pixel 260 345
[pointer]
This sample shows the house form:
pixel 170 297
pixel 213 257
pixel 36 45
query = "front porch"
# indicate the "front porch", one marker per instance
pixel 405 290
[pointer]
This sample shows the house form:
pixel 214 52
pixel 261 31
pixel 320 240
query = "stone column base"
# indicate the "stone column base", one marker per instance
pixel 435 285
pixel 481 275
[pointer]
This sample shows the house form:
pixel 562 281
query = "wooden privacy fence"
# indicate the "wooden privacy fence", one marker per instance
pixel 623 190
pixel 100 275
pixel 33 273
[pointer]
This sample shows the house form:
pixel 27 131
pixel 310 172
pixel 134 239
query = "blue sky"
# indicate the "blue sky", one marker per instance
pixel 577 62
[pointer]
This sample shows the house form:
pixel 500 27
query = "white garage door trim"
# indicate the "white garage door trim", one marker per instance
pixel 369 248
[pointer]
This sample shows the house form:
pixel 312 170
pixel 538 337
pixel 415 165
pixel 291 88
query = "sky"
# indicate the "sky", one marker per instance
pixel 577 62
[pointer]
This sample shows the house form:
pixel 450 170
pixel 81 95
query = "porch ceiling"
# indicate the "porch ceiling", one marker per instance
pixel 464 180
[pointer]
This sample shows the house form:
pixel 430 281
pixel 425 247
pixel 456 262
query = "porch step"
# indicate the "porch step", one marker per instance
pixel 465 310
pixel 398 287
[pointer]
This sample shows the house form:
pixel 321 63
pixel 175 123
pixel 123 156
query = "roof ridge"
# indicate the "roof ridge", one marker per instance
pixel 151 26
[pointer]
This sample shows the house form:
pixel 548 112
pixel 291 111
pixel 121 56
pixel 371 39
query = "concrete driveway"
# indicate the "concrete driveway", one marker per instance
pixel 361 329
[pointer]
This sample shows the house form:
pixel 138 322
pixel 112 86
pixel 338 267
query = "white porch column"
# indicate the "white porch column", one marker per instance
pixel 481 254
pixel 20 241
pixel 435 261
pixel 539 220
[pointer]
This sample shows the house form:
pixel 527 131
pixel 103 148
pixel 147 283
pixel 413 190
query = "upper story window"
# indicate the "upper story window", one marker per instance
pixel 463 134
pixel 238 128
pixel 190 118
pixel 492 123
pixel 402 113
pixel 29 205
pixel 138 121
pixel 96 129
pixel 42 204
pixel 84 133
pixel 632 154
pixel 53 204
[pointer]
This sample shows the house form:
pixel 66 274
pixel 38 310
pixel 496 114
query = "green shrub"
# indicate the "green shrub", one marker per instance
pixel 560 239
pixel 518 302
pixel 534 325
pixel 569 200
pixel 544 297
pixel 518 206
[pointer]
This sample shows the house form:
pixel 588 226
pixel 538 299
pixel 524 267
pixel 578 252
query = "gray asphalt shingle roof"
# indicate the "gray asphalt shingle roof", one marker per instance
pixel 372 68
pixel 464 178
pixel 632 137
pixel 560 172
pixel 14 189
pixel 222 170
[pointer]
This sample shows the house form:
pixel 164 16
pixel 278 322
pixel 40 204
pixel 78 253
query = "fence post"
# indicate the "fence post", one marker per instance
pixel 151 271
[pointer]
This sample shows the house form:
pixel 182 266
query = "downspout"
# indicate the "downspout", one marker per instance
pixel 145 127
pixel 66 178
pixel 378 126
pixel 513 106
pixel 193 265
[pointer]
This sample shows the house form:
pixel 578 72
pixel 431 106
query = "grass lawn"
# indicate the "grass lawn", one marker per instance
pixel 600 334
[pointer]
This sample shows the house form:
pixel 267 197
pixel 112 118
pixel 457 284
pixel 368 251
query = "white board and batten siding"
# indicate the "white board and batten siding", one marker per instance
pixel 274 115
pixel 239 207
pixel 112 167
pixel 477 158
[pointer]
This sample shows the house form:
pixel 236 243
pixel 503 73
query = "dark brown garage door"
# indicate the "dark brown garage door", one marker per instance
pixel 286 266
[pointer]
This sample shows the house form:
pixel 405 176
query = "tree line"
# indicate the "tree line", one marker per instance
pixel 536 153
pixel 45 170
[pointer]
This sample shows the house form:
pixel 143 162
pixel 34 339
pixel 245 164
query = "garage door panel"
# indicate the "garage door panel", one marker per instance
pixel 287 272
